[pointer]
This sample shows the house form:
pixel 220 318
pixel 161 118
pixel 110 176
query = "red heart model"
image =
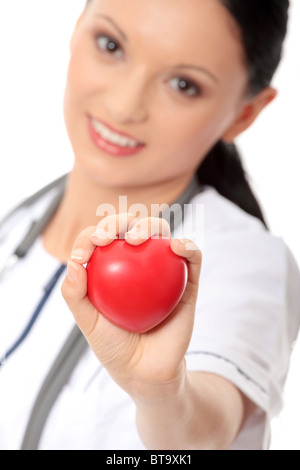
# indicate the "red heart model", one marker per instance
pixel 136 287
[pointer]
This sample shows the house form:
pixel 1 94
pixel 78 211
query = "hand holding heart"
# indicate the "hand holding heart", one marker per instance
pixel 143 361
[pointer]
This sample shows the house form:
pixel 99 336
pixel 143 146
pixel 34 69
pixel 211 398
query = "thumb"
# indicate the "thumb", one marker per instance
pixel 74 291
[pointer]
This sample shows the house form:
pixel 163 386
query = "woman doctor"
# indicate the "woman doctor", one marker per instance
pixel 156 94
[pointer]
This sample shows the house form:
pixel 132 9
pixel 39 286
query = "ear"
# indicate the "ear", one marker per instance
pixel 250 111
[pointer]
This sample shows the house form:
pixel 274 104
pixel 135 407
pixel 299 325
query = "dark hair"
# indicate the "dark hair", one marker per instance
pixel 263 26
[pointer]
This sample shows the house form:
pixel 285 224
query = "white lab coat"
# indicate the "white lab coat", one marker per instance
pixel 247 319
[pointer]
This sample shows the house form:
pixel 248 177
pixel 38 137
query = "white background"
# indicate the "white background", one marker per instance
pixel 34 148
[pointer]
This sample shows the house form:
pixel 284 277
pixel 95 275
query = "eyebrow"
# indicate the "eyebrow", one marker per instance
pixel 202 69
pixel 180 66
pixel 108 18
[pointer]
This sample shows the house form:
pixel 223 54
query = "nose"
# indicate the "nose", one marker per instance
pixel 125 98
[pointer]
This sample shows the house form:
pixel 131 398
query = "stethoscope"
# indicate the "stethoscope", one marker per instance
pixel 36 227
pixel 39 225
pixel 21 251
pixel 75 344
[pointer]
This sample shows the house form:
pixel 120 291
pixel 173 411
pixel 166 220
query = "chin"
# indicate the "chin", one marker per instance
pixel 104 174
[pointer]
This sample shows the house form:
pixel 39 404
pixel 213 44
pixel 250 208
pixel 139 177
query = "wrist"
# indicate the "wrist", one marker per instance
pixel 161 391
pixel 165 417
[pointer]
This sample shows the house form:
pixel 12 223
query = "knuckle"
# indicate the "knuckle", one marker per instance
pixel 165 225
pixel 107 221
pixel 65 291
pixel 84 234
pixel 115 223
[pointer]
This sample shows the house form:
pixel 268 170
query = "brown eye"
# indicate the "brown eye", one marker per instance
pixel 108 45
pixel 186 86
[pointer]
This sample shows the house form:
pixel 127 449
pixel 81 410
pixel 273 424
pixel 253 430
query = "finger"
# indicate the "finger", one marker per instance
pixel 74 291
pixel 83 247
pixel 100 235
pixel 191 252
pixel 112 227
pixel 146 228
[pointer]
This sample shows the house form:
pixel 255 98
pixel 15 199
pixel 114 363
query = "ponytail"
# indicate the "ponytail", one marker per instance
pixel 261 23
pixel 223 169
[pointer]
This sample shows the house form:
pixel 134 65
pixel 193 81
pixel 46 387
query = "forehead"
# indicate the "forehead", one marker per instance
pixel 189 29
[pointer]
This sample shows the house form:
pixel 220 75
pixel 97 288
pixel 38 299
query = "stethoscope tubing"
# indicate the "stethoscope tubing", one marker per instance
pixel 36 227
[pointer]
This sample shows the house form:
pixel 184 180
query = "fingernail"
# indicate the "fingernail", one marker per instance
pixel 78 254
pixel 100 233
pixel 135 232
pixel 72 271
pixel 135 229
pixel 190 246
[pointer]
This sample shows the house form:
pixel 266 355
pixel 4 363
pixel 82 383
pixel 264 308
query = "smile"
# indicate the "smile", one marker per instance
pixel 112 142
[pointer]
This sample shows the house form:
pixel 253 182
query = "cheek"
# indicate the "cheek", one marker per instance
pixel 83 79
pixel 73 90
pixel 192 135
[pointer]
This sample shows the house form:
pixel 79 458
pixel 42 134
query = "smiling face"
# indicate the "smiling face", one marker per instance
pixel 170 75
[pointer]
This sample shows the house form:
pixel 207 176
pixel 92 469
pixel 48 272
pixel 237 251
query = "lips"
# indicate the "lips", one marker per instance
pixel 118 132
pixel 112 141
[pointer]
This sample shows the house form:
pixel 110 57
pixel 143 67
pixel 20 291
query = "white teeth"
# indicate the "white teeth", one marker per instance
pixel 112 137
